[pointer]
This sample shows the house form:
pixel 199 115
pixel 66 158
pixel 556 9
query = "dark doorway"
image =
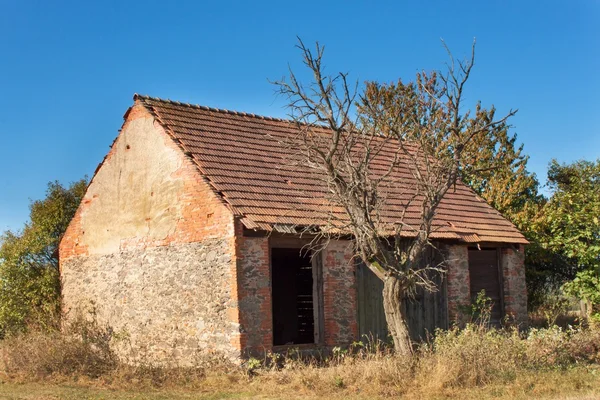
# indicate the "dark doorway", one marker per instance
pixel 484 274
pixel 293 304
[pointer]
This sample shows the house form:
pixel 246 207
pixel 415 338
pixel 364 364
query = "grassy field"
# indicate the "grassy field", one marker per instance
pixel 575 383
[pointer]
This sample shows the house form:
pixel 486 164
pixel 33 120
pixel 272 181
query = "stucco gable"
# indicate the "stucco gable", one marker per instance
pixel 145 192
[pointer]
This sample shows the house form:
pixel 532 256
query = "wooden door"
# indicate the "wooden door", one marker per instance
pixel 485 275
pixel 424 313
pixel 371 316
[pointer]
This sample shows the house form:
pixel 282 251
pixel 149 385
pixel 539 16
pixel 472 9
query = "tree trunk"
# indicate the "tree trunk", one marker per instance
pixel 392 305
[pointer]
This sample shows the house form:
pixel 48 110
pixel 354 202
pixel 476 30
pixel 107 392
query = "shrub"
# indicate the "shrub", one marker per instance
pixel 81 349
pixel 556 347
pixel 554 308
pixel 471 357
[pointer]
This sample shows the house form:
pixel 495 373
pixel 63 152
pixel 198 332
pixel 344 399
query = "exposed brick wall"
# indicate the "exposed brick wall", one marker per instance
pixel 153 248
pixel 512 263
pixel 339 293
pixel 457 264
pixel 254 294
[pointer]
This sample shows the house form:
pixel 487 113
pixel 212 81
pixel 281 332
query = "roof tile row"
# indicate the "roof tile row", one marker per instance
pixel 245 158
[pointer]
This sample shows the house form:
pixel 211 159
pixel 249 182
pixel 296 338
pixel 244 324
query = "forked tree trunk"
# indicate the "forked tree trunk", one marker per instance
pixel 392 305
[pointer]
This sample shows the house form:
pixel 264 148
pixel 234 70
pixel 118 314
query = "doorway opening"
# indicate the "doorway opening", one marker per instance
pixel 484 273
pixel 293 296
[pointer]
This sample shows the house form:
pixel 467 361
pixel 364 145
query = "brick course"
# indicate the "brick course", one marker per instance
pixel 457 263
pixel 512 264
pixel 339 293
pixel 254 294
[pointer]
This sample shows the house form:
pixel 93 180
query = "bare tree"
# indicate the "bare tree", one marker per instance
pixel 386 156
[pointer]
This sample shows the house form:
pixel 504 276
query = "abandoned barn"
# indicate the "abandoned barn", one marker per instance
pixel 186 242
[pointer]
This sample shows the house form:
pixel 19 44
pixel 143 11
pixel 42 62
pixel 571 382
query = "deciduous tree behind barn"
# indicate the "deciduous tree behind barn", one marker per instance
pixel 29 279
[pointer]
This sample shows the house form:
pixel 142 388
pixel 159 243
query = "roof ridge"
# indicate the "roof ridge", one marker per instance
pixel 142 97
pixel 200 139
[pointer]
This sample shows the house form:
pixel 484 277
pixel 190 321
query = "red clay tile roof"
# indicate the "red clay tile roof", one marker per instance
pixel 243 157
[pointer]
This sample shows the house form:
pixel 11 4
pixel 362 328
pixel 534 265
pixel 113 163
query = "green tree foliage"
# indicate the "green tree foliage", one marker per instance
pixel 570 223
pixel 496 169
pixel 29 278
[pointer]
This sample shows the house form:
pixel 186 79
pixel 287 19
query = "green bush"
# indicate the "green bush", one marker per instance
pixel 29 278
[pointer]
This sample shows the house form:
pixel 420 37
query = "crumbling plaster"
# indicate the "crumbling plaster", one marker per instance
pixel 135 193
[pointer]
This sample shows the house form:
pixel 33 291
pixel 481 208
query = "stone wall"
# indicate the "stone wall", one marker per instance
pixel 168 304
pixel 152 249
pixel 512 263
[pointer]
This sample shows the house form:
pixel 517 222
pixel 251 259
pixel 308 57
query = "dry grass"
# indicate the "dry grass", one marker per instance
pixel 573 384
pixel 470 363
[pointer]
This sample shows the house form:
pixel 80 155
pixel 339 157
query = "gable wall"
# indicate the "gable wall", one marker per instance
pixel 151 251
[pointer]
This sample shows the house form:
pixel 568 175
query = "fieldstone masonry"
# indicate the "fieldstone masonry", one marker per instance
pixel 168 303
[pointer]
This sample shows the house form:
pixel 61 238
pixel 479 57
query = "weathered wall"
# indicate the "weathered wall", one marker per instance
pixel 512 264
pixel 145 193
pixel 339 293
pixel 167 303
pixel 152 247
pixel 458 284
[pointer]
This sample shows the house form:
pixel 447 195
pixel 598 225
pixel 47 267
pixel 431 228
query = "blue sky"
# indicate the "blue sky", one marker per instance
pixel 68 70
